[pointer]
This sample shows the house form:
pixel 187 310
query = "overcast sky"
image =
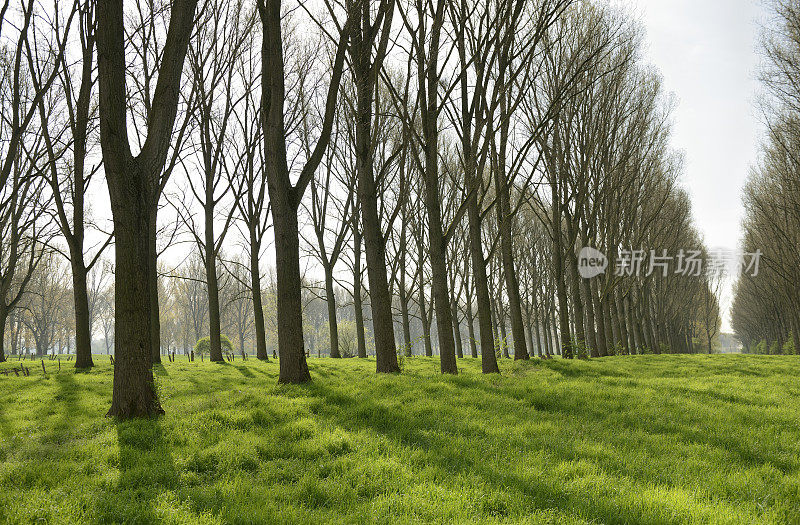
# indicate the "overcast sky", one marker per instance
pixel 708 53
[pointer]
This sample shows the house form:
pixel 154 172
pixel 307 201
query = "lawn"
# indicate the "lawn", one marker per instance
pixel 645 439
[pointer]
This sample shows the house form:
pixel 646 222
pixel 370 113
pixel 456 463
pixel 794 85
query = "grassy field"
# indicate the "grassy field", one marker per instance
pixel 647 439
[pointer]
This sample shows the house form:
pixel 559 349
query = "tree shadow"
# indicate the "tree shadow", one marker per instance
pixel 146 469
pixel 431 433
pixel 245 371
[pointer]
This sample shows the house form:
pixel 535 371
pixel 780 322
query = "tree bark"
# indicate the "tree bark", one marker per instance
pixel 456 329
pixel 374 243
pixel 558 269
pixel 134 393
pixel 507 247
pixel 291 349
pixel 333 327
pixel 155 320
pixel 3 318
pixel 481 280
pixel 357 301
pixel 258 307
pixel 215 337
pixel 83 337
pixel 132 184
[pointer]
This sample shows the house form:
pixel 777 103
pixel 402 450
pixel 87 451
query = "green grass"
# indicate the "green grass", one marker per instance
pixel 647 439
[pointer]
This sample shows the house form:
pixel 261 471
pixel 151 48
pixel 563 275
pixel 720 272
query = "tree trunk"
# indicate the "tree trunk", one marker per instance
pixel 619 317
pixel 380 297
pixel 357 301
pixel 134 393
pixel 404 314
pixel 502 320
pixel 538 331
pixel 456 328
pixel 3 318
pixel 548 335
pixel 83 336
pixel 507 257
pixel 558 267
pixel 577 301
pixel 473 348
pixel 600 339
pixel 215 337
pixel 155 321
pixel 291 349
pixel 481 280
pixel 556 341
pixel 633 344
pixel 330 298
pixel 591 334
pixel 258 308
pixel 439 285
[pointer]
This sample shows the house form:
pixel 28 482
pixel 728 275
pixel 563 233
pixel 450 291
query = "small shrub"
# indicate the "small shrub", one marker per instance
pixel 203 345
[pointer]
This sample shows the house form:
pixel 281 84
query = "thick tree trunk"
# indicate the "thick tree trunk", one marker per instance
pixel 134 393
pixel 291 350
pixel 439 285
pixel 83 336
pixel 330 298
pixel 258 307
pixel 214 335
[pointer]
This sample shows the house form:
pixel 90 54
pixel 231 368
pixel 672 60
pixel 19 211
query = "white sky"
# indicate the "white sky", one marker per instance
pixel 708 54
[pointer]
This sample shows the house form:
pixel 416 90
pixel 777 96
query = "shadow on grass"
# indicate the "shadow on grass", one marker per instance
pixel 146 469
pixel 246 372
pixel 430 433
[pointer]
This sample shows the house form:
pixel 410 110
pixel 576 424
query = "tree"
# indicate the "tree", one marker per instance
pixel 284 196
pixel 134 188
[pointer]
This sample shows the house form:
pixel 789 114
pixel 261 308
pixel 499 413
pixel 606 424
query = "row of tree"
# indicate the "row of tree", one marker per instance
pixel 766 307
pixel 442 162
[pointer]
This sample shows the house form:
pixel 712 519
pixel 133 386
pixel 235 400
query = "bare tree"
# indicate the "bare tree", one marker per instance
pixel 134 184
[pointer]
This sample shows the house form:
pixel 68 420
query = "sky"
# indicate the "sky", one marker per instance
pixel 708 54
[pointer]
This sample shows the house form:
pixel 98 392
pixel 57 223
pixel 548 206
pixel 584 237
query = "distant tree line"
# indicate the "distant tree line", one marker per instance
pixel 766 307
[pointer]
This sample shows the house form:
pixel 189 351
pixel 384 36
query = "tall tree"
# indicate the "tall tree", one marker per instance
pixel 134 187
pixel 284 196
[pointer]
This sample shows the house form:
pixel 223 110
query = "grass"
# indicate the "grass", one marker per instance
pixel 646 439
